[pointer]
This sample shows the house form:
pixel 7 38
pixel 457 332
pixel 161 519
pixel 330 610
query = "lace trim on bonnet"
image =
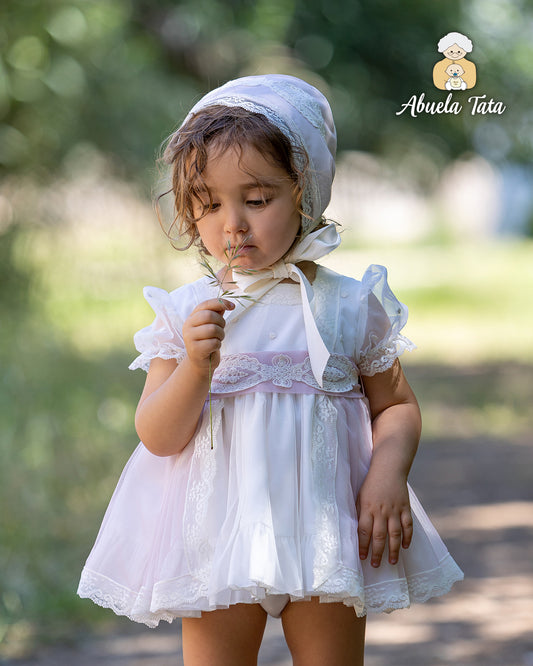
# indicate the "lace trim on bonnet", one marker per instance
pixel 311 192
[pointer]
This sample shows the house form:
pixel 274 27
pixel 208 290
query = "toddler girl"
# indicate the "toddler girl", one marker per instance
pixel 277 426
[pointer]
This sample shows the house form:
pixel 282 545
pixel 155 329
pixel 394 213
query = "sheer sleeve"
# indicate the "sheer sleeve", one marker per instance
pixel 163 337
pixel 382 317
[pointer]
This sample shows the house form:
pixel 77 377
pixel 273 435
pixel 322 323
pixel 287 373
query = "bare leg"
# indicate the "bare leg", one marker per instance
pixel 324 634
pixel 226 637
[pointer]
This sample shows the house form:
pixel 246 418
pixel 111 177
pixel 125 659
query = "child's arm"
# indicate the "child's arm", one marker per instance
pixel 174 395
pixel 383 503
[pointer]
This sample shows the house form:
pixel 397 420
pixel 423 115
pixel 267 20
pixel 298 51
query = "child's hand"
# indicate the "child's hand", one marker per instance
pixel 384 516
pixel 203 332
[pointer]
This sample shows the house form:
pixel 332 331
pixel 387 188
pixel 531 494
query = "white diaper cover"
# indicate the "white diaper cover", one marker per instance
pixel 274 604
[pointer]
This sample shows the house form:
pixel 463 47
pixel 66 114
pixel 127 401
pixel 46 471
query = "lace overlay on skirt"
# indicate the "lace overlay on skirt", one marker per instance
pixel 203 535
pixel 172 598
pixel 270 509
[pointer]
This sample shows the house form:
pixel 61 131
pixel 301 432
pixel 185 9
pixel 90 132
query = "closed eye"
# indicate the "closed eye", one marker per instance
pixel 257 203
pixel 209 208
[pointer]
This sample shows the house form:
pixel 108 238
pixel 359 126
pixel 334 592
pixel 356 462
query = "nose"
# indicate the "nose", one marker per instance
pixel 234 220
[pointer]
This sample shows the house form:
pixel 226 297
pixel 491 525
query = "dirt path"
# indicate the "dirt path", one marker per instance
pixel 486 621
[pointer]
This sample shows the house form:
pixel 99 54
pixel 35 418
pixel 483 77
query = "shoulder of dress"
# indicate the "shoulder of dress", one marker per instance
pixel 183 299
pixel 344 283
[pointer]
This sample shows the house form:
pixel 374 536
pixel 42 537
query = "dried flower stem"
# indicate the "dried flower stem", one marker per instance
pixel 210 395
pixel 231 254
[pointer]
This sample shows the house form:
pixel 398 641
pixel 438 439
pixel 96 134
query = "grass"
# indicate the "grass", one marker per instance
pixel 67 399
pixel 468 303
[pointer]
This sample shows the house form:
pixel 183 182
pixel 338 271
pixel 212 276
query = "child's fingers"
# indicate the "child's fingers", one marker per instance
pixel 364 533
pixel 215 305
pixel 400 534
pixel 406 520
pixel 205 347
pixel 206 320
pixel 208 331
pixel 379 540
pixel 203 332
pixel 372 534
pixel 395 539
pixel 376 532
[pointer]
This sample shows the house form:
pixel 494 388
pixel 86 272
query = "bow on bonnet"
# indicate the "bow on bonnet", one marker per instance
pixel 304 116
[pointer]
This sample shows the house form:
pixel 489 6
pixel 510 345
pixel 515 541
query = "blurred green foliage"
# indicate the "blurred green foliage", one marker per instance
pixel 120 75
pixel 66 429
pixel 375 55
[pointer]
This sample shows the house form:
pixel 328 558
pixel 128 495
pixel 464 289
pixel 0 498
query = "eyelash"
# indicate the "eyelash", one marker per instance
pixel 259 202
pixel 255 203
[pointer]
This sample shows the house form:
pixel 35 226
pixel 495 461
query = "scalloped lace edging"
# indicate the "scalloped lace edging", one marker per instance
pixel 382 357
pixel 345 586
pixel 165 351
pixel 417 588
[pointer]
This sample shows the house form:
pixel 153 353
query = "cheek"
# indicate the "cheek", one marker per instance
pixel 292 222
pixel 282 233
pixel 204 232
pixel 293 229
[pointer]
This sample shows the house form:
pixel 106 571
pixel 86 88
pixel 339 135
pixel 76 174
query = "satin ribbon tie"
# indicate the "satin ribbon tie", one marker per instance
pixel 313 246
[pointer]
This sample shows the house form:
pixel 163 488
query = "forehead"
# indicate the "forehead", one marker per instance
pixel 242 162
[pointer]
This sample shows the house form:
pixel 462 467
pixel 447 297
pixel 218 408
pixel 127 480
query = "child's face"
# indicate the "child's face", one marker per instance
pixel 266 215
pixel 454 70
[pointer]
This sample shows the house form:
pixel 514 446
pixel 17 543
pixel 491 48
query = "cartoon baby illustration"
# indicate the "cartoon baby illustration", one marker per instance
pixel 454 46
pixel 455 82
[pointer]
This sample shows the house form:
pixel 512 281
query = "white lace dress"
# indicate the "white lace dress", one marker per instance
pixel 270 509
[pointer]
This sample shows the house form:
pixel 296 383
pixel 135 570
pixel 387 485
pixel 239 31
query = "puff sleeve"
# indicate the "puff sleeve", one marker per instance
pixel 163 338
pixel 379 341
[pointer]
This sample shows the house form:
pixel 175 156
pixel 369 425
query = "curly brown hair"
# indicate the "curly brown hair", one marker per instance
pixel 222 127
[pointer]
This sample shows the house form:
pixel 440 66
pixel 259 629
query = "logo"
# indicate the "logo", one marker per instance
pixel 454 73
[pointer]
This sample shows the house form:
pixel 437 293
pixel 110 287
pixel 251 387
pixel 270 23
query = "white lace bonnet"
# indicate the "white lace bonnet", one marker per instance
pixel 304 116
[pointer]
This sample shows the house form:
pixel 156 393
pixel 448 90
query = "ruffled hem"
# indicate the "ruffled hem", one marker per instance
pixel 175 598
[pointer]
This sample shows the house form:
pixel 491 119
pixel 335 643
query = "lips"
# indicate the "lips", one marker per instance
pixel 241 249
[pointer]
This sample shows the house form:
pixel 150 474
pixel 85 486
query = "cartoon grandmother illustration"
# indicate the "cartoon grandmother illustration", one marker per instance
pixel 454 46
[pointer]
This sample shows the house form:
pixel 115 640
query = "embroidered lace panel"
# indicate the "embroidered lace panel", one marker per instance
pixel 203 468
pixel 324 463
pixel 302 102
pixel 324 297
pixel 239 372
pixel 285 293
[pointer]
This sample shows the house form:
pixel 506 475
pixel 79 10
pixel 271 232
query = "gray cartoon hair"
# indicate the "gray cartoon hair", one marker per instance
pixel 455 38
